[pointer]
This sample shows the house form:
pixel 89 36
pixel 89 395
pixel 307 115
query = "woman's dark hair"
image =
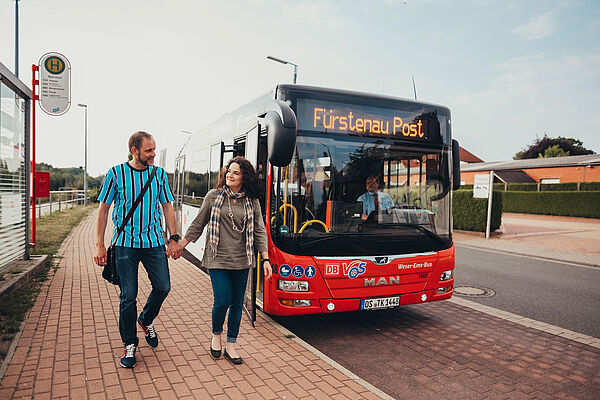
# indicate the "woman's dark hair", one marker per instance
pixel 251 184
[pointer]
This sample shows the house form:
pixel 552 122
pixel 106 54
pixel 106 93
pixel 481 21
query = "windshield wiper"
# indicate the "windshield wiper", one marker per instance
pixel 427 232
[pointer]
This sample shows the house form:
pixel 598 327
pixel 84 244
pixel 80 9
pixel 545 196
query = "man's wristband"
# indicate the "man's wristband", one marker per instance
pixel 266 259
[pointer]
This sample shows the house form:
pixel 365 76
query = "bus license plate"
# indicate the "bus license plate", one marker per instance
pixel 382 302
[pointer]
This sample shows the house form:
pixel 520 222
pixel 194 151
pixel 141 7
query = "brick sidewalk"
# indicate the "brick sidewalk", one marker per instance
pixel 70 346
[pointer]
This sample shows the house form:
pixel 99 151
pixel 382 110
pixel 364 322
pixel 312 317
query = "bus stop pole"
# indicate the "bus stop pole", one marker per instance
pixel 34 97
pixel 489 210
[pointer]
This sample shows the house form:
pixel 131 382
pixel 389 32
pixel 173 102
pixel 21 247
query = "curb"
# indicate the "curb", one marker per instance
pixel 30 268
pixel 528 322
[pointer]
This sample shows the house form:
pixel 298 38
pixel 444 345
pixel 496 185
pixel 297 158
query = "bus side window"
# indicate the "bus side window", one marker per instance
pixel 432 171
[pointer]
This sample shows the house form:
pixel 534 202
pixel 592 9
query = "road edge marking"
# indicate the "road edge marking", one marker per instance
pixel 528 322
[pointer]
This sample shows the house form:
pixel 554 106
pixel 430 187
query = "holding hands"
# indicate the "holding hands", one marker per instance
pixel 174 250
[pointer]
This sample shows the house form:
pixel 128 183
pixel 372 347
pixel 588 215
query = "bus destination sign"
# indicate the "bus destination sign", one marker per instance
pixel 330 117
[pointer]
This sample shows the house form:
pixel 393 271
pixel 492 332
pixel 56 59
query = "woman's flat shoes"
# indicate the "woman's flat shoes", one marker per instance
pixel 236 360
pixel 215 353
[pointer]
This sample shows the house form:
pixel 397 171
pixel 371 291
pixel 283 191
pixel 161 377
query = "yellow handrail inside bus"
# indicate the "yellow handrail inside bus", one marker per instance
pixel 285 196
pixel 285 206
pixel 311 222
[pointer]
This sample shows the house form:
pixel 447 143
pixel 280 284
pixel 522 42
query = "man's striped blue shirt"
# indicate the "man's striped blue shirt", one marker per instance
pixel 121 186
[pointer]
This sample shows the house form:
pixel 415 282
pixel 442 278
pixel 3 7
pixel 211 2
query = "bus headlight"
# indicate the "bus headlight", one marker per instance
pixel 293 286
pixel 447 275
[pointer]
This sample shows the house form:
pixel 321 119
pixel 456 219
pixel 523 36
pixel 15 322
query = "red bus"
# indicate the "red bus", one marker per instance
pixel 358 199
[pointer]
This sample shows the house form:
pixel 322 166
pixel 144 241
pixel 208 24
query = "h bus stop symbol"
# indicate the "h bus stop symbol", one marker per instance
pixel 54 65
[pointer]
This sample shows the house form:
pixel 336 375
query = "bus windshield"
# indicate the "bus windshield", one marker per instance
pixel 349 196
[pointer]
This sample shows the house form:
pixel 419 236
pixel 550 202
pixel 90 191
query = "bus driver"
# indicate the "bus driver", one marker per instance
pixel 373 199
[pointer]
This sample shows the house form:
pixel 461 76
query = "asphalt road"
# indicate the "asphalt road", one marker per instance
pixel 560 294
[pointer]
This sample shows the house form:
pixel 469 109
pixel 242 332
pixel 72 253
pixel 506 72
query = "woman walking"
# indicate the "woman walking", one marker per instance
pixel 235 229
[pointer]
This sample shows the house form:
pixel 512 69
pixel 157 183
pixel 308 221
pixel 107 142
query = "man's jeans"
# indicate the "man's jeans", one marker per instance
pixel 154 260
pixel 229 287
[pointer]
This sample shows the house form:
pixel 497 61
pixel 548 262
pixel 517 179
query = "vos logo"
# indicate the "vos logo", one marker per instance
pixel 352 270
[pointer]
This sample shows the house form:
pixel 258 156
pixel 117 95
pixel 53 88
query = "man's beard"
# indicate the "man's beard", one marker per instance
pixel 146 162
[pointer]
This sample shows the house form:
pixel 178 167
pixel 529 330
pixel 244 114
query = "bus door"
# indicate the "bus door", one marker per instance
pixel 255 150
pixel 239 148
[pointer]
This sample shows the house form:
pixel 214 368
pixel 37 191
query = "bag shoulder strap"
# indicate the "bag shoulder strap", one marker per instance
pixel 138 200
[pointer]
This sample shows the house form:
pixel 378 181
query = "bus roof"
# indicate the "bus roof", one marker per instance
pixel 287 87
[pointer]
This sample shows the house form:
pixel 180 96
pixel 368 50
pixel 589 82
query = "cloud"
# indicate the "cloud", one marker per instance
pixel 538 27
pixel 531 96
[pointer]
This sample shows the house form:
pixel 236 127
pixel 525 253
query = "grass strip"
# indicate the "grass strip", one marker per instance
pixel 52 230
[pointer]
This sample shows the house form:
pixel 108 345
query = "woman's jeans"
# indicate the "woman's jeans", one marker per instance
pixel 154 260
pixel 229 287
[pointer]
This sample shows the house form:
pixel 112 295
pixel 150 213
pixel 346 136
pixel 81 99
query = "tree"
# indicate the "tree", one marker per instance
pixel 553 151
pixel 557 147
pixel 68 177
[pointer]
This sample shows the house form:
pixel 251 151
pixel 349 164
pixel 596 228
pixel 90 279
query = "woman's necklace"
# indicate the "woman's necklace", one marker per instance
pixel 233 225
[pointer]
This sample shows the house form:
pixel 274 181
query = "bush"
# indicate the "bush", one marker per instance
pixel 572 204
pixel 544 187
pixel 519 187
pixel 590 186
pixel 470 214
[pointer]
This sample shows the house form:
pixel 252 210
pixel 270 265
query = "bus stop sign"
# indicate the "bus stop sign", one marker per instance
pixel 55 84
pixel 481 186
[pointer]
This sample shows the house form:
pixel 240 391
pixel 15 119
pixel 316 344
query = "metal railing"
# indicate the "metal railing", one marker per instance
pixel 59 200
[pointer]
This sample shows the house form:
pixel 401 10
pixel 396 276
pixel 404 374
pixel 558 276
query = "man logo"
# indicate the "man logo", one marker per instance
pixel 54 65
pixel 381 260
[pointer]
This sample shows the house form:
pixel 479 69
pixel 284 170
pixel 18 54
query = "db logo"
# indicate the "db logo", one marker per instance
pixel 332 269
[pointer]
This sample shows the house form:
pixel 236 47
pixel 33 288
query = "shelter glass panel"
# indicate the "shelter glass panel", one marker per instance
pixel 13 190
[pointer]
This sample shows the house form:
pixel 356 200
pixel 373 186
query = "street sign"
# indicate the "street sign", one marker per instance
pixel 481 186
pixel 55 84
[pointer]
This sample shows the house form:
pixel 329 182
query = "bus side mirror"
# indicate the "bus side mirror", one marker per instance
pixel 455 165
pixel 280 121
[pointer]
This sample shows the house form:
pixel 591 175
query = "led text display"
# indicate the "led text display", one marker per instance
pixel 330 117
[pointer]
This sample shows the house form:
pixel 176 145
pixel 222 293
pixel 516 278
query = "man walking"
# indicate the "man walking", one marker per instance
pixel 140 240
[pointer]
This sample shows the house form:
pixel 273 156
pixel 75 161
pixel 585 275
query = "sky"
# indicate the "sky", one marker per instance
pixel 510 71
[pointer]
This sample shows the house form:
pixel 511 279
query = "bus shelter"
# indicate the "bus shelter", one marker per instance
pixel 15 106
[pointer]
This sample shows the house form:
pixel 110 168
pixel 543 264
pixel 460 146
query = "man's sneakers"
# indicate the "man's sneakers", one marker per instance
pixel 128 359
pixel 149 332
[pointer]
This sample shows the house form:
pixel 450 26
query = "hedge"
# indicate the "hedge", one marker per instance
pixel 544 187
pixel 571 204
pixel 470 214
